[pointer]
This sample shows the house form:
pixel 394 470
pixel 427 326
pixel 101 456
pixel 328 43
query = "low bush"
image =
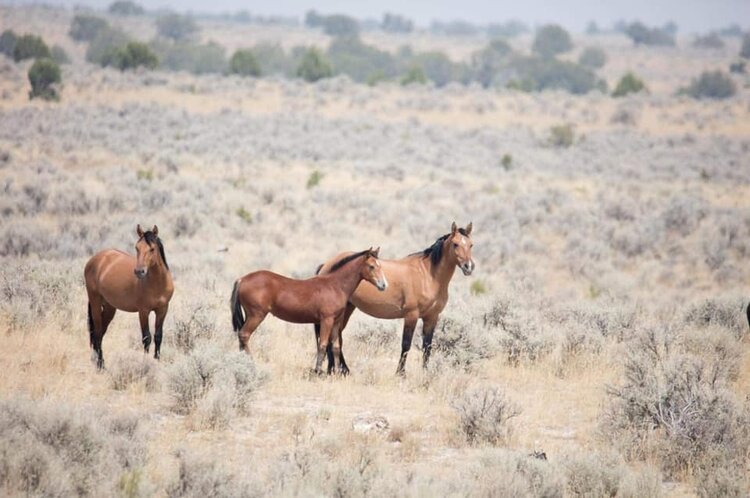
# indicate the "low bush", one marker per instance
pixel 200 476
pixel 488 63
pixel 593 57
pixel 551 40
pixel 629 83
pixel 213 384
pixel 104 48
pixel 552 74
pixel 710 41
pixel 712 85
pixel 348 55
pixel 59 55
pixel 52 449
pixel 8 40
pixel 192 328
pixel 125 8
pixel 484 415
pixel 677 408
pixel 727 313
pixel 244 63
pixel 745 48
pixel 561 136
pixel 85 27
pixel 194 58
pixel 414 76
pixel 44 74
pixel 30 47
pixel 133 55
pixel 643 35
pixel 130 368
pixel 176 27
pixel 314 66
pixel 273 60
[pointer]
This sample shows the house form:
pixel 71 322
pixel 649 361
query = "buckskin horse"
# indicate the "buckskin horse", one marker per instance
pixel 321 299
pixel 418 289
pixel 118 281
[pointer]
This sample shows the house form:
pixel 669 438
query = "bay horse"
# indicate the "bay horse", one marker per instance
pixel 418 290
pixel 118 281
pixel 321 299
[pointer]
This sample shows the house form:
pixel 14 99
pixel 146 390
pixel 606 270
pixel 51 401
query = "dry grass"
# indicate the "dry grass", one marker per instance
pixel 642 224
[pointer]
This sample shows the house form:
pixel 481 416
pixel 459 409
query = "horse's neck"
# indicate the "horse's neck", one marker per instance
pixel 349 277
pixel 442 273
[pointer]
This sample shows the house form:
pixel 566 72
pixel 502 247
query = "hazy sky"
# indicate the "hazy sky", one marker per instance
pixel 690 15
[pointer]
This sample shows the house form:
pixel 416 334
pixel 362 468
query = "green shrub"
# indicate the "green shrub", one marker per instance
pixel 478 288
pixel 191 57
pixel 103 49
pixel 244 214
pixel 745 49
pixel 711 40
pixel 561 136
pixel 507 161
pixel 43 74
pixel 348 55
pixel 546 73
pixel 30 47
pixel 439 69
pixel 8 41
pixel 273 60
pixel 593 57
pixel 487 63
pixel 551 40
pixel 314 66
pixel 484 415
pixel 629 83
pixel 244 63
pixel 314 179
pixel 85 27
pixel 59 55
pixel 340 25
pixel 394 23
pixel 135 54
pixel 313 19
pixel 125 8
pixel 712 85
pixel 643 35
pixel 176 27
pixel 414 75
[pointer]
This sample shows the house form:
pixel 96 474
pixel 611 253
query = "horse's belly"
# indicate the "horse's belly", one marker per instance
pixel 378 308
pixel 293 316
pixel 122 302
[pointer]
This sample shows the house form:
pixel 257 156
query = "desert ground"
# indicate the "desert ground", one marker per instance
pixel 604 325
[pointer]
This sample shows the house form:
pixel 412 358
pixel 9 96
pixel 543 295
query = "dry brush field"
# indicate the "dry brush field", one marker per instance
pixel 604 324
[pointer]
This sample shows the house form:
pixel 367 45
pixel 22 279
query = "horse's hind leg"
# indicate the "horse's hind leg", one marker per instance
pixel 253 321
pixel 108 313
pixel 410 323
pixel 344 369
pixel 96 328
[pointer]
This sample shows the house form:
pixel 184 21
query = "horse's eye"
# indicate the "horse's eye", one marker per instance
pixel 455 245
pixel 372 267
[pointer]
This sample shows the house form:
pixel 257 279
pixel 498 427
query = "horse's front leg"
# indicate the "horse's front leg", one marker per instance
pixel 428 329
pixel 145 332
pixel 161 314
pixel 326 328
pixel 410 323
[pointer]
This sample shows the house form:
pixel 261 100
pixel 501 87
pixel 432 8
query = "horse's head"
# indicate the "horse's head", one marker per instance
pixel 372 271
pixel 147 250
pixel 459 247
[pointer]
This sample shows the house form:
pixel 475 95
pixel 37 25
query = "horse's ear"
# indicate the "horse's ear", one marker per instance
pixel 468 228
pixel 139 231
pixel 155 230
pixel 376 252
pixel 454 228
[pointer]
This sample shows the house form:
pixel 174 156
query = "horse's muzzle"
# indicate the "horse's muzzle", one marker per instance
pixel 467 268
pixel 382 285
pixel 140 272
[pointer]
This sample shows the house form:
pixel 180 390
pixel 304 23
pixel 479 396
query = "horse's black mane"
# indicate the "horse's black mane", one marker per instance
pixel 435 251
pixel 151 238
pixel 345 260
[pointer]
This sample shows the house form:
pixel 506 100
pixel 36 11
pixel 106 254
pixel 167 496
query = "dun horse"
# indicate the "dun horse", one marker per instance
pixel 322 299
pixel 118 281
pixel 418 290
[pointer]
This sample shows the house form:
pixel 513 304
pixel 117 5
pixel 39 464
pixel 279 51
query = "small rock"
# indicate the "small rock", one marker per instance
pixel 370 423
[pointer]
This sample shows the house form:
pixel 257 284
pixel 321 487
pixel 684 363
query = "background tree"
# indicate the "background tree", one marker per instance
pixel 43 74
pixel 551 40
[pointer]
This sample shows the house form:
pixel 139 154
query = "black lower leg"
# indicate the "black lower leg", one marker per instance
pixel 427 346
pixel 146 338
pixel 157 343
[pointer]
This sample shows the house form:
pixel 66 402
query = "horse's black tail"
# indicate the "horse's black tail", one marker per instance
pixel 91 326
pixel 238 317
pixel 748 314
